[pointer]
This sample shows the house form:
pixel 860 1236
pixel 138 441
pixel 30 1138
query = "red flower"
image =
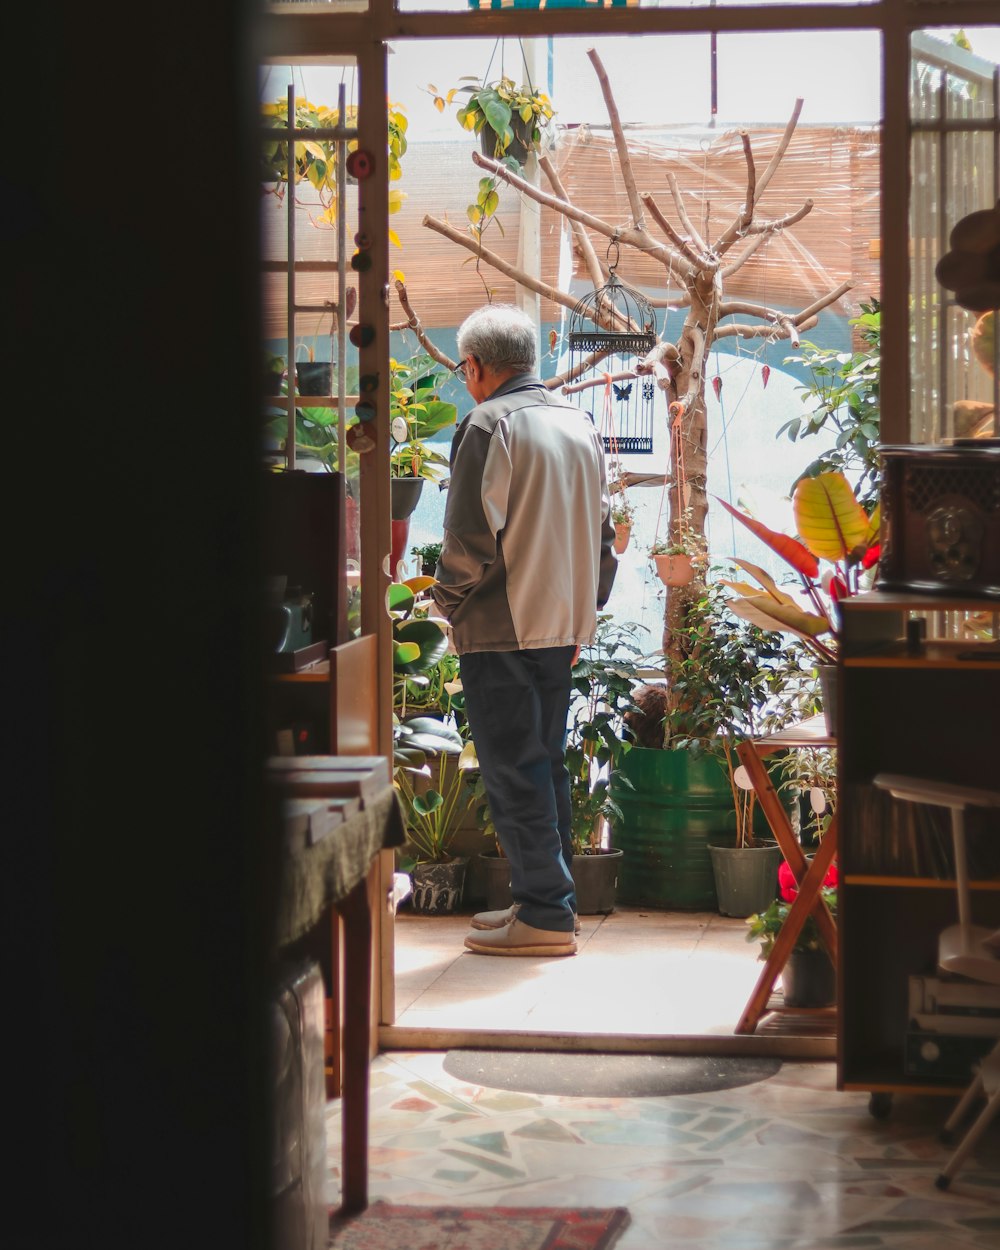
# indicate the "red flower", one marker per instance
pixel 870 557
pixel 789 887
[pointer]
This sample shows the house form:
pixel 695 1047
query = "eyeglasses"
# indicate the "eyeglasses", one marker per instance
pixel 459 372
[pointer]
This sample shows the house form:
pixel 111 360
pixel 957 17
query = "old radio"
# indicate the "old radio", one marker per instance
pixel 940 518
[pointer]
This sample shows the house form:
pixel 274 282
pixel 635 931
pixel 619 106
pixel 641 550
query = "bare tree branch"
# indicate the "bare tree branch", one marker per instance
pixel 824 301
pixel 576 387
pixel 738 226
pixel 624 158
pixel 632 237
pixel 779 152
pixel 704 261
pixel 688 261
pixel 744 256
pixel 780 223
pixel 785 329
pixel 413 323
pixel 499 264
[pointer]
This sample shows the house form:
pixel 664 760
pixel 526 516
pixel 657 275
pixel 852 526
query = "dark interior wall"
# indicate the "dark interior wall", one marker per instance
pixel 134 917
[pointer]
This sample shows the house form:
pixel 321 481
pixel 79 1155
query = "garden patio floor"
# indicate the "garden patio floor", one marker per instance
pixel 637 972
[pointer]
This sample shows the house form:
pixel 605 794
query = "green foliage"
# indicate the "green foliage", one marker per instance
pixel 414 399
pixel 765 926
pixel 725 684
pixel 603 681
pixel 434 814
pixel 508 111
pixel 843 402
pixel 428 554
pixel 418 642
pixel 316 159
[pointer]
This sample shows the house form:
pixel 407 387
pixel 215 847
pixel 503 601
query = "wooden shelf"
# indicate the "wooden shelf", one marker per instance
pixel 923 712
pixel 953 655
pixel 912 883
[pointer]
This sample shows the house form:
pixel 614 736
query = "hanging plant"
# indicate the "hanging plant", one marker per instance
pixel 510 120
pixel 316 159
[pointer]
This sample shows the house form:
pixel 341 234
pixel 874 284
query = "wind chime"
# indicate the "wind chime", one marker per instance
pixel 608 329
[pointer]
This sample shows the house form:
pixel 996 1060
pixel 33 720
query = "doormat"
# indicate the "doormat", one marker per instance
pixel 386 1227
pixel 606 1076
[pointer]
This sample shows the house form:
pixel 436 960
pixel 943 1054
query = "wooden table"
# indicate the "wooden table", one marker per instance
pixel 809 900
pixel 333 872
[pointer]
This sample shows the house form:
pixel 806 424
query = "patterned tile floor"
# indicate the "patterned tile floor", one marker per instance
pixel 786 1163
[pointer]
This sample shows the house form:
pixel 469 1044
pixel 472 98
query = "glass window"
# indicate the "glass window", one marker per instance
pixel 954 97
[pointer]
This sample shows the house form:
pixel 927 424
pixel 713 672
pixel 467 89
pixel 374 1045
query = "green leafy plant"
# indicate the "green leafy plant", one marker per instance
pixel 417 412
pixel 622 512
pixel 722 687
pixel 433 811
pixel 765 926
pixel 418 641
pixel 603 680
pixel 428 555
pixel 843 398
pixel 315 160
pixel 832 526
pixel 505 112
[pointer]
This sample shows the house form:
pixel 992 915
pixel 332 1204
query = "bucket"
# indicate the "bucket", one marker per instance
pixel 678 803
pixel 746 878
pixel 595 880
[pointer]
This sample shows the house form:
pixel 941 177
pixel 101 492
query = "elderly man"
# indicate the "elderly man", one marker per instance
pixel 526 562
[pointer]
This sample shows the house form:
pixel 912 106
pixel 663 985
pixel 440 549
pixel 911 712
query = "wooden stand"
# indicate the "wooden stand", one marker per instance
pixel 811 733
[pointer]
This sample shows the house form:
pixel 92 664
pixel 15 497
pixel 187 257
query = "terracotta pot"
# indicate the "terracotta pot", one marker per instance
pixel 674 570
pixel 623 531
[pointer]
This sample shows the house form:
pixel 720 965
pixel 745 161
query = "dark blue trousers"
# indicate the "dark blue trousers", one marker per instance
pixel 517 703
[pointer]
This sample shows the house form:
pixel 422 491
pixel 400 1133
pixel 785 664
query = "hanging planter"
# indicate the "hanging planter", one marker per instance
pixel 674 569
pixel 623 532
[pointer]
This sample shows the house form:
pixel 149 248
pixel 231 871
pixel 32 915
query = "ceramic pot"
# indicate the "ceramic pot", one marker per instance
pixel 517 148
pixel 674 570
pixel 595 879
pixel 746 877
pixel 808 979
pixel 313 377
pixel 437 888
pixel 623 531
pixel 404 495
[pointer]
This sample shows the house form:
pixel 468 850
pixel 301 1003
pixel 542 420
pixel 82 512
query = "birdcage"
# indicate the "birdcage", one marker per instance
pixel 608 330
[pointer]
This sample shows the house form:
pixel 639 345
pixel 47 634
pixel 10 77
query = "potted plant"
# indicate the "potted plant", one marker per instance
pixel 510 120
pixel 427 557
pixel 316 158
pixel 832 526
pixel 622 516
pixel 680 555
pixel 808 978
pixel 428 751
pixel 683 769
pixel 434 803
pixel 416 412
pixel 603 680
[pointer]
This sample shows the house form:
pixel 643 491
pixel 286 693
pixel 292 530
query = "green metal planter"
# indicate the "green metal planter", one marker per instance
pixel 679 803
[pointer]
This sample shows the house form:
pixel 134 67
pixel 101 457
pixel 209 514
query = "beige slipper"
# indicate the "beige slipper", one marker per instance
pixel 518 938
pixel 497 919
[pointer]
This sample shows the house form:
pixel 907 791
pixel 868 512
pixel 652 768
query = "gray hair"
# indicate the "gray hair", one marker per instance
pixel 500 336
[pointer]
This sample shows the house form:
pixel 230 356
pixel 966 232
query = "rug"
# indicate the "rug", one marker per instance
pixel 387 1227
pixel 581 1074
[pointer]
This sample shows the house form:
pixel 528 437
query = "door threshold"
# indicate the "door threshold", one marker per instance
pixel 396 1037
